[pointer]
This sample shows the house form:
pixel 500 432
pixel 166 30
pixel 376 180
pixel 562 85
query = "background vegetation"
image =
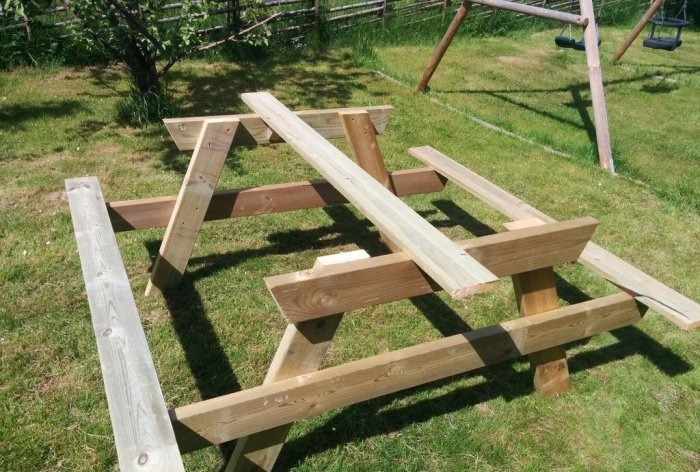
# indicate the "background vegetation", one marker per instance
pixel 635 404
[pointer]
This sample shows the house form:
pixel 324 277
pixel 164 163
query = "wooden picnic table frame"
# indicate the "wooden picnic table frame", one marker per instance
pixel 149 437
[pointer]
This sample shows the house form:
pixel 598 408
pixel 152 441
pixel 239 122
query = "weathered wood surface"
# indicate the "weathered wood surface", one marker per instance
pixel 155 212
pixel 192 202
pixel 239 414
pixel 353 285
pixel 302 349
pixel 452 268
pixel 143 433
pixel 595 79
pixel 254 131
pixel 536 292
pixel 676 307
pixel 581 20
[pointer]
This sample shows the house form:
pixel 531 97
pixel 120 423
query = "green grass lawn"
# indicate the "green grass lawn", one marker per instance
pixel 635 402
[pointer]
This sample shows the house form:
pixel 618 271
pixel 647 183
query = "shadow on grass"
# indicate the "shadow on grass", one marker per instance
pixel 209 365
pixel 20 115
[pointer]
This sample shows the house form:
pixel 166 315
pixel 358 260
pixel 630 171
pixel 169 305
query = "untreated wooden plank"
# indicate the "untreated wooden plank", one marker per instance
pixel 302 349
pixel 452 268
pixel 254 131
pixel 239 414
pixel 155 212
pixel 676 307
pixel 143 434
pixel 192 202
pixel 353 285
pixel 536 292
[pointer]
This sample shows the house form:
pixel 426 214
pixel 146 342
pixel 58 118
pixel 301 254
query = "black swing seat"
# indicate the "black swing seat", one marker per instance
pixel 571 43
pixel 667 43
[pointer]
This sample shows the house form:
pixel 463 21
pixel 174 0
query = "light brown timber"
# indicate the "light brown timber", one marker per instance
pixel 253 131
pixel 239 414
pixel 365 149
pixel 536 292
pixel 192 202
pixel 595 79
pixel 155 212
pixel 445 42
pixel 676 307
pixel 302 349
pixel 653 8
pixel 353 285
pixel 556 15
pixel 143 434
pixel 452 268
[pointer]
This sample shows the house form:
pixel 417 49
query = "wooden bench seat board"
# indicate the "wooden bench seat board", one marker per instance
pixel 243 413
pixel 143 434
pixel 676 307
pixel 155 212
pixel 452 268
pixel 309 294
pixel 253 131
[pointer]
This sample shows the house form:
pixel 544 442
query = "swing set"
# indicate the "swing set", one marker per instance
pixel 672 27
pixel 569 42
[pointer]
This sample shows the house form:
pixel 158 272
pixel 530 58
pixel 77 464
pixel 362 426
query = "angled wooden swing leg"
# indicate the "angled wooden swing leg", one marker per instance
pixel 301 350
pixel 192 202
pixel 535 292
pixel 362 139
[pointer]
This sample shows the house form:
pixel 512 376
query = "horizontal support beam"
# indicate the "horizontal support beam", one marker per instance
pixel 449 266
pixel 676 307
pixel 155 212
pixel 143 435
pixel 534 11
pixel 253 131
pixel 240 414
pixel 310 294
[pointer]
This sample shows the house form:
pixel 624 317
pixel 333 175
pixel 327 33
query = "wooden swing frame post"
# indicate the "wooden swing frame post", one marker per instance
pixel 148 437
pixel 638 28
pixel 586 20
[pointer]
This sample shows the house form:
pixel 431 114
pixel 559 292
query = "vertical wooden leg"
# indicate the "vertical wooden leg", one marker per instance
pixel 362 139
pixel 301 350
pixel 535 292
pixel 192 202
pixel 444 44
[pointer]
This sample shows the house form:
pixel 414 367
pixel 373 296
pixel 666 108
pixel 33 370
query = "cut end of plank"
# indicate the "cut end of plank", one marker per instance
pixel 465 292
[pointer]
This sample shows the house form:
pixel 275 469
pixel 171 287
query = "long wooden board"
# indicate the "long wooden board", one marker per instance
pixel 254 131
pixel 535 11
pixel 311 294
pixel 452 268
pixel 155 212
pixel 143 434
pixel 239 414
pixel 676 307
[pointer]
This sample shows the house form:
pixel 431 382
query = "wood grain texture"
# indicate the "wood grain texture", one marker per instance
pixel 192 202
pixel 253 131
pixel 143 433
pixel 302 349
pixel 353 285
pixel 536 292
pixel 239 414
pixel 595 79
pixel 570 18
pixel 676 307
pixel 155 212
pixel 452 268
pixel 364 147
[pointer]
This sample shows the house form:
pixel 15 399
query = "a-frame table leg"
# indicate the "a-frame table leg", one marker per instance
pixel 362 139
pixel 535 292
pixel 192 202
pixel 301 350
